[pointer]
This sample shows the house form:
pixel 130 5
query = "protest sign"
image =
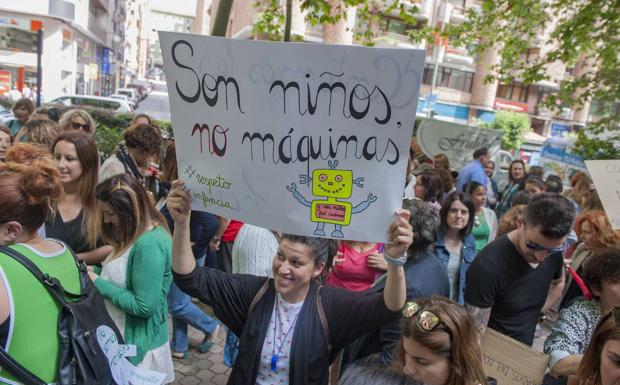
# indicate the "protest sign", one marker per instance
pixel 606 177
pixel 510 362
pixel 308 139
pixel 457 141
pixel 123 371
pixel 556 158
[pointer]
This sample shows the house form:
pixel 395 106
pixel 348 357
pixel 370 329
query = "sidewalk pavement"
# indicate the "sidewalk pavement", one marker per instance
pixel 202 368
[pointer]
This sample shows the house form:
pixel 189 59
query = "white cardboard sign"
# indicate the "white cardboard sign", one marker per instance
pixel 309 139
pixel 606 177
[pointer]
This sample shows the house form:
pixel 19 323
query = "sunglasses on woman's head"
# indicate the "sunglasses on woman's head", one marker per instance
pixel 427 320
pixel 78 126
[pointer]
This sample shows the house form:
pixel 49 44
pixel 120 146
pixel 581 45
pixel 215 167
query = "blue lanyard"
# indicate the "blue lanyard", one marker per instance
pixel 276 355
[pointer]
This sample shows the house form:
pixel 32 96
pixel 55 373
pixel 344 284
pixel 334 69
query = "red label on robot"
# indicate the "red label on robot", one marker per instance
pixel 330 211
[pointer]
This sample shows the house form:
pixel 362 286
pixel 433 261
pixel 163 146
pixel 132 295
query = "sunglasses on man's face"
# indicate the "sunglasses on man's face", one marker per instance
pixel 427 320
pixel 536 247
pixel 78 126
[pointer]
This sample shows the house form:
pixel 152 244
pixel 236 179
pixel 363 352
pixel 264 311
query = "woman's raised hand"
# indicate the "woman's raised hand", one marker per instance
pixel 179 202
pixel 401 234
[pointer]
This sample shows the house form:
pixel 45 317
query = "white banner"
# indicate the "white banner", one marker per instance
pixel 303 138
pixel 606 178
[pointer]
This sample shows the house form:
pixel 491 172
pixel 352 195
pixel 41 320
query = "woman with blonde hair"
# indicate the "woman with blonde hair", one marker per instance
pixel 41 131
pixel 78 119
pixel 75 218
pixel 135 277
pixel 439 344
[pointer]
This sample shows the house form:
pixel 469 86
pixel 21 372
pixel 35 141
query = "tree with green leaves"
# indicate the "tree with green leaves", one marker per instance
pixel 513 125
pixel 582 36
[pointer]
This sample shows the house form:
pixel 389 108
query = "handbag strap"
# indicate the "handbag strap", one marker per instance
pixel 16 369
pixel 579 281
pixel 323 318
pixel 52 284
pixel 258 296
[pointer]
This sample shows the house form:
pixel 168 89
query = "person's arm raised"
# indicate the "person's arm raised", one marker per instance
pixel 179 206
pixel 401 237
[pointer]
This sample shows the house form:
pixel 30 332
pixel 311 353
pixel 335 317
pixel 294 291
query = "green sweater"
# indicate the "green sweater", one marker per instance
pixel 144 300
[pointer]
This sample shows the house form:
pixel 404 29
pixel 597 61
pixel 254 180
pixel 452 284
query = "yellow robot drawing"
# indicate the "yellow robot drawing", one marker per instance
pixel 333 185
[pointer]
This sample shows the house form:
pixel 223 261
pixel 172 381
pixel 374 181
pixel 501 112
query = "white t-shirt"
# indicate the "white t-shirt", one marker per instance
pixel 283 331
pixel 454 274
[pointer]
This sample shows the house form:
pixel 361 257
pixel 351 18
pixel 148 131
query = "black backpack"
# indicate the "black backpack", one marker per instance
pixel 81 360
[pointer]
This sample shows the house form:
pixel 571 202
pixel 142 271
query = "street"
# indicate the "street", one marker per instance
pixel 156 103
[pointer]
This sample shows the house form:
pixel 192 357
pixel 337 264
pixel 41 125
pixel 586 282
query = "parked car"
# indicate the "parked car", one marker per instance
pixel 93 101
pixel 125 98
pixel 142 94
pixel 131 93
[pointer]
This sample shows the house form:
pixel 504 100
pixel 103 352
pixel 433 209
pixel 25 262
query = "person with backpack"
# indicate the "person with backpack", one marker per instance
pixel 290 328
pixel 28 313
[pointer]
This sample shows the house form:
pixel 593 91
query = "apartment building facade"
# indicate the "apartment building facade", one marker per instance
pixel 459 92
pixel 82 45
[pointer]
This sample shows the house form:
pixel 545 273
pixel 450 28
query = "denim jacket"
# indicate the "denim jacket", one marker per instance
pixel 468 253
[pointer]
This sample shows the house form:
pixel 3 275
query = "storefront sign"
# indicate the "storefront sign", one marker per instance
pixel 93 70
pixel 309 139
pixel 559 130
pixel 105 61
pixel 5 81
pixel 556 158
pixel 507 105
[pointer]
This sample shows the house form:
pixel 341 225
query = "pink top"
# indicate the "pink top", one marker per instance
pixel 354 274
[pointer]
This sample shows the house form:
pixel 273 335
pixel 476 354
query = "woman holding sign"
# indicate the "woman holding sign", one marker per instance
pixel 290 327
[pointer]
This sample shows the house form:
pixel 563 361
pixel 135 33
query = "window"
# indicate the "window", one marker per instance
pixel 448 78
pixel 513 91
pixel 397 26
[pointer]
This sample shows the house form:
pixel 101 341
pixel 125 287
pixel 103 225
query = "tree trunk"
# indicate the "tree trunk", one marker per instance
pixel 341 32
pixel 220 24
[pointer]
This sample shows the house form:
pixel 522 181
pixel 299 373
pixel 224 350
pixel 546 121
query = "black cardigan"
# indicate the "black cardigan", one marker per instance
pixel 349 315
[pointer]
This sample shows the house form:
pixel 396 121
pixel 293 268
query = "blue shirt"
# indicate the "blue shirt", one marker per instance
pixel 472 172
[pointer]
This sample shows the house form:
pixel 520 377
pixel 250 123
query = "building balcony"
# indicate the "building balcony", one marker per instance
pixel 390 39
pixel 424 7
pixel 457 55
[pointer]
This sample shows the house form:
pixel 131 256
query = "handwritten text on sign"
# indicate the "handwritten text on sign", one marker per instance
pixel 304 138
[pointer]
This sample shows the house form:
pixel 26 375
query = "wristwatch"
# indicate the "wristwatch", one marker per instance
pixel 216 238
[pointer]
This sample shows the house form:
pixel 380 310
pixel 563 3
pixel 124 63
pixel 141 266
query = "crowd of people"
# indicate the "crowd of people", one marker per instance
pixel 462 257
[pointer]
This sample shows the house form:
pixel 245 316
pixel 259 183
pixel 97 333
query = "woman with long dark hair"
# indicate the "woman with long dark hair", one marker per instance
pixel 290 328
pixel 455 246
pixel 516 175
pixel 485 221
pixel 75 218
